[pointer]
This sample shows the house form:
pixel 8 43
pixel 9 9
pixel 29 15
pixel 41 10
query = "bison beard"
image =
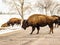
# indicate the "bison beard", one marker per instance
pixel 38 20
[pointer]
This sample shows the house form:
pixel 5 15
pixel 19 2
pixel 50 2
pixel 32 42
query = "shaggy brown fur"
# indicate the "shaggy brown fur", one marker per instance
pixel 38 20
pixel 4 25
pixel 13 21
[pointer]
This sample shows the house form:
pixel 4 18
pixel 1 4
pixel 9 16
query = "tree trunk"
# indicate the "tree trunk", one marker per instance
pixel 18 9
pixel 22 14
pixel 46 11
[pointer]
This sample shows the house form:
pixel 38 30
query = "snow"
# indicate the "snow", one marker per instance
pixel 10 29
pixel 6 31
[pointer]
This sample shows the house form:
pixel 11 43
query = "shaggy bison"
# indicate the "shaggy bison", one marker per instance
pixel 13 21
pixel 4 25
pixel 38 20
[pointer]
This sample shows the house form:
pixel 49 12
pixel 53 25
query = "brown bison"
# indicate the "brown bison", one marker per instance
pixel 13 21
pixel 4 25
pixel 57 18
pixel 38 20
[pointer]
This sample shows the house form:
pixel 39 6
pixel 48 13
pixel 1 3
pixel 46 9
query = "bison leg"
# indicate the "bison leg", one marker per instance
pixel 12 25
pixel 51 28
pixel 57 25
pixel 38 30
pixel 33 28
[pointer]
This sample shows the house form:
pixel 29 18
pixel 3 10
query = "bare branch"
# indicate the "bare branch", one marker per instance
pixel 17 8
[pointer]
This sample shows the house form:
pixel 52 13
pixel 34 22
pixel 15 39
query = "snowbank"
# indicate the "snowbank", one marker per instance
pixel 9 29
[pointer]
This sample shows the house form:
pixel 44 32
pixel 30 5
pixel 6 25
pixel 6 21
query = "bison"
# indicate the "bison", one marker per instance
pixel 57 18
pixel 4 25
pixel 13 21
pixel 38 20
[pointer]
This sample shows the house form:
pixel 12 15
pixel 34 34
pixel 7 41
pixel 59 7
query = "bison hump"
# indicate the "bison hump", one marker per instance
pixel 37 19
pixel 14 19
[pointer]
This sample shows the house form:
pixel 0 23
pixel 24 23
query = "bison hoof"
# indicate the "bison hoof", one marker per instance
pixel 37 33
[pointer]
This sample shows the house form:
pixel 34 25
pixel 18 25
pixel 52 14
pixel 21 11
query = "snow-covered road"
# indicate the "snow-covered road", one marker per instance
pixel 4 30
pixel 22 37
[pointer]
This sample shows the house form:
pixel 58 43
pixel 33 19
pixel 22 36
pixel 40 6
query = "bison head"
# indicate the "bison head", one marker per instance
pixel 24 24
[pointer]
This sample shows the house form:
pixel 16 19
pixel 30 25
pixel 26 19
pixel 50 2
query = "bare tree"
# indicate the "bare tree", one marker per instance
pixel 19 6
pixel 22 4
pixel 54 8
pixel 46 4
